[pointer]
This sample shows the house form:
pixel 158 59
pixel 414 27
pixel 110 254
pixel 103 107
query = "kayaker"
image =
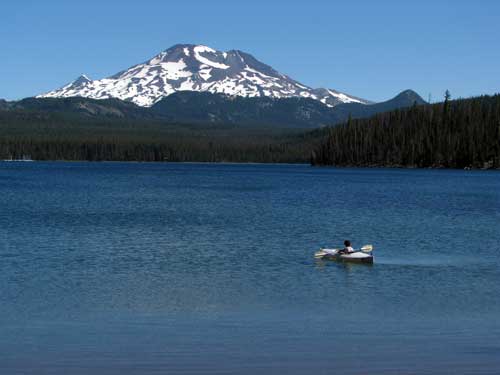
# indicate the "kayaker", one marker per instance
pixel 347 248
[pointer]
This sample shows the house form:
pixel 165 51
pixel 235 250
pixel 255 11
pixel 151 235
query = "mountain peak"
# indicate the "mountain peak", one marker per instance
pixel 82 79
pixel 189 46
pixel 410 96
pixel 197 67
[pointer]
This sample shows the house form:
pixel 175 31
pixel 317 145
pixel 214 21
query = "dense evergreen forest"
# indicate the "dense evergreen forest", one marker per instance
pixel 454 134
pixel 69 136
pixel 185 126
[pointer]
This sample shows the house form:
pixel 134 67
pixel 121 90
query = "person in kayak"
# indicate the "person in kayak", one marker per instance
pixel 347 248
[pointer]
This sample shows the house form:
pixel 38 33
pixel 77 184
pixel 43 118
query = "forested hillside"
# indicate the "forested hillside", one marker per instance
pixel 63 136
pixel 204 108
pixel 185 126
pixel 454 134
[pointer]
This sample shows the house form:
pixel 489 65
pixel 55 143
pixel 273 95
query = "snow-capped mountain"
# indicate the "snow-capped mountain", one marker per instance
pixel 187 67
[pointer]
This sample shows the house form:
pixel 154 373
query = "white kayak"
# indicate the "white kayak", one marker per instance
pixel 355 257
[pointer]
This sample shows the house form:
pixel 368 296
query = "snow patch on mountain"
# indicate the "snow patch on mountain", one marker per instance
pixel 197 68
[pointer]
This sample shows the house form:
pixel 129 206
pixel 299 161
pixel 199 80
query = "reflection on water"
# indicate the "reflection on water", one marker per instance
pixel 114 268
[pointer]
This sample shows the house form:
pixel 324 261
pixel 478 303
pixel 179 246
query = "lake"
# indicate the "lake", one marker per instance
pixel 137 268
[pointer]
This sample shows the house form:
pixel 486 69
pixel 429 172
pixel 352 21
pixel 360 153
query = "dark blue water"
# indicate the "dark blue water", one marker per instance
pixel 114 268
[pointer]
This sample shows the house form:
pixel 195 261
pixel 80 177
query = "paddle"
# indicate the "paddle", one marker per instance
pixel 366 249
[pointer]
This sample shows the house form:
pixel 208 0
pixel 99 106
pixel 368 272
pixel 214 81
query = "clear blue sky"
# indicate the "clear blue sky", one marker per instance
pixel 372 49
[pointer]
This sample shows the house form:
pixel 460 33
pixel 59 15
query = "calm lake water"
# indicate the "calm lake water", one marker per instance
pixel 128 268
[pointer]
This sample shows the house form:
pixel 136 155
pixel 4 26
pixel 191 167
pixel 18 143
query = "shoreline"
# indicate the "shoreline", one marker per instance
pixel 377 166
pixel 254 163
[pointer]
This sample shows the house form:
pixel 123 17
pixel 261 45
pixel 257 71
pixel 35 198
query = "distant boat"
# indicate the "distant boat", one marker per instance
pixel 24 158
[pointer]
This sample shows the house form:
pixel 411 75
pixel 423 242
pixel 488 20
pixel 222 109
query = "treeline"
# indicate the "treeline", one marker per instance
pixel 188 150
pixel 461 133
pixel 48 136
